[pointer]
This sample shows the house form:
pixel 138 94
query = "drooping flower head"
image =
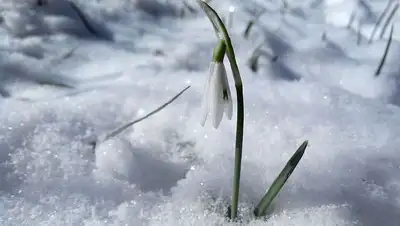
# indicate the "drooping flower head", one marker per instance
pixel 217 98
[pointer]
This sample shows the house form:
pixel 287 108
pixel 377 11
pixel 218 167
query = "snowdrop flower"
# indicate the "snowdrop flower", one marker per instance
pixel 217 98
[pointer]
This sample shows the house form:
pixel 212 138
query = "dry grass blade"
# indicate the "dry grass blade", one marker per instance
pixel 41 2
pixel 124 127
pixel 253 61
pixel 189 7
pixel 63 56
pixel 285 4
pixel 251 23
pixel 379 69
pixel 84 20
pixel 380 19
pixel 359 35
pixel 394 10
pixel 351 20
pixel 248 28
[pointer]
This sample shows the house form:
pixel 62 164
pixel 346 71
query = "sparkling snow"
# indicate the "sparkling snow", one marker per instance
pixel 63 85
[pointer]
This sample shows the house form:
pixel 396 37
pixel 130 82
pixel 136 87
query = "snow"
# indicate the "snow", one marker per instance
pixel 63 85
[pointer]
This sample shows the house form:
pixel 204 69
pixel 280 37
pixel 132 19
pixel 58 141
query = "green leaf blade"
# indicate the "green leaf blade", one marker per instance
pixel 280 181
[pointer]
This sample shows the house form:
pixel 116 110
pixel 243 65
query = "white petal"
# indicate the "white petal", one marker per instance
pixel 227 103
pixel 204 107
pixel 229 108
pixel 206 96
pixel 216 91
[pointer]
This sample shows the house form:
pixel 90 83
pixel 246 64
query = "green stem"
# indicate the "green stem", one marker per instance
pixel 219 52
pixel 210 12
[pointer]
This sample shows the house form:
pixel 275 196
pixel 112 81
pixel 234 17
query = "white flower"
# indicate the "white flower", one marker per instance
pixel 217 98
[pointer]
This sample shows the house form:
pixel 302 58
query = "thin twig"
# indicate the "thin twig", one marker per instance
pixel 383 60
pixel 124 127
